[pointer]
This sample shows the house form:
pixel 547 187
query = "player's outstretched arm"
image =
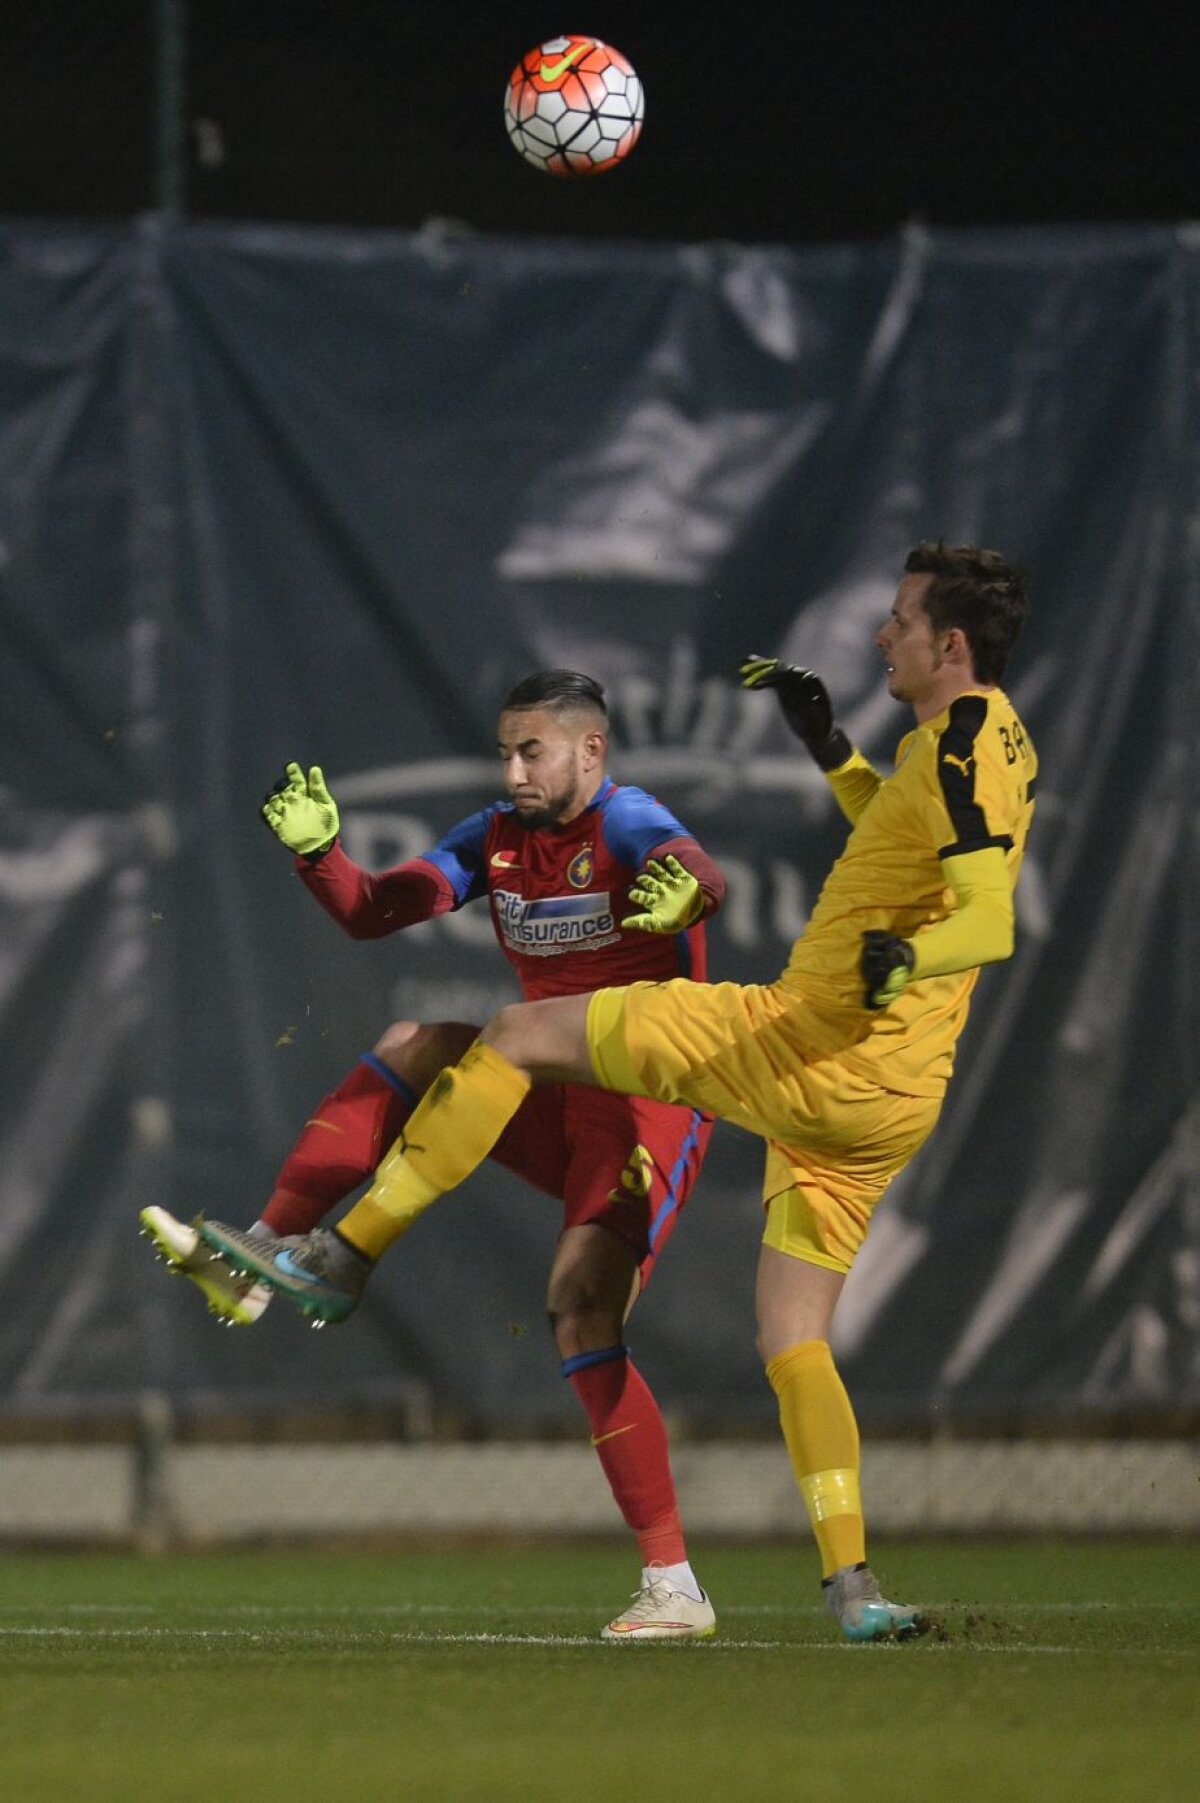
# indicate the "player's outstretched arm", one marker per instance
pixel 804 701
pixel 302 813
pixel 304 817
pixel 981 930
pixel 669 897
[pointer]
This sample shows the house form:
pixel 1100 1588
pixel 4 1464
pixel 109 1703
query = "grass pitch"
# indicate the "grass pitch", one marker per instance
pixel 477 1676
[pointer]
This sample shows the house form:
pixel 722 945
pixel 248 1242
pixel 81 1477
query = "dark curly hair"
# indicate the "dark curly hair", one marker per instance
pixel 978 591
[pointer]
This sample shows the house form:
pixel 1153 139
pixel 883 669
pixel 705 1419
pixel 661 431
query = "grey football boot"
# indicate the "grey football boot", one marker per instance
pixel 319 1273
pixel 853 1598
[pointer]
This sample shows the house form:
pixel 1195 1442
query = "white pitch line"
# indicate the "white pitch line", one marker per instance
pixel 385 1611
pixel 708 1649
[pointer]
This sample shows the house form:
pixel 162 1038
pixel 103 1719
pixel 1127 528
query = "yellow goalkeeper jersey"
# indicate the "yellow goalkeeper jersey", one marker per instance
pixel 964 781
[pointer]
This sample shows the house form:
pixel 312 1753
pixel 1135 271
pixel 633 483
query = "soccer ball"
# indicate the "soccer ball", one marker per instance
pixel 574 106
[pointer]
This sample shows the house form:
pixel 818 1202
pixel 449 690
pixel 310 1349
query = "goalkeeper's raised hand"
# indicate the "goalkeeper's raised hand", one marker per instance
pixel 887 966
pixel 668 895
pixel 806 707
pixel 302 813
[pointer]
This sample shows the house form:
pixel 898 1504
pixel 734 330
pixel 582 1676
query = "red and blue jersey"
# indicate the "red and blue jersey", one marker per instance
pixel 557 894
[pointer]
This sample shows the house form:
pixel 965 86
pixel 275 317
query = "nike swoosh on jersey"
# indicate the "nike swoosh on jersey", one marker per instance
pixel 505 860
pixel 552 71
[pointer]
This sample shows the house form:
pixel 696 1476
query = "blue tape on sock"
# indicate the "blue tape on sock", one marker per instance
pixel 582 1360
pixel 389 1076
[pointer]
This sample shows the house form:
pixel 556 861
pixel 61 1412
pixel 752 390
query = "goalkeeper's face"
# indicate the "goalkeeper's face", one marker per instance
pixel 915 656
pixel 553 763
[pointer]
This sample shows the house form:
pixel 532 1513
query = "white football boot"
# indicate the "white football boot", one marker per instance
pixel 239 1301
pixel 659 1612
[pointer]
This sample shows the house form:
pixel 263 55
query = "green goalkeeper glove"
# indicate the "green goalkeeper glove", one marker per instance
pixel 887 966
pixel 670 896
pixel 302 813
pixel 806 707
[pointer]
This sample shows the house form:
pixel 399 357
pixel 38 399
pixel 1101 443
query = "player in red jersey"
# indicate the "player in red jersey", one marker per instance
pixel 590 884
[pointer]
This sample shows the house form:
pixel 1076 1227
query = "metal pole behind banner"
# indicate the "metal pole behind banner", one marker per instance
pixel 170 107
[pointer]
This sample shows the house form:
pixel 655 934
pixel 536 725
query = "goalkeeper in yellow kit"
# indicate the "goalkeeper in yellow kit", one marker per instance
pixel 840 1064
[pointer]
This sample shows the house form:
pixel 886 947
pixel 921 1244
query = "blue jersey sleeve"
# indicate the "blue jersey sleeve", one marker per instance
pixel 459 855
pixel 634 823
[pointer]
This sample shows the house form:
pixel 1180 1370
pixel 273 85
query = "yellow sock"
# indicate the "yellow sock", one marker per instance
pixel 822 1441
pixel 451 1130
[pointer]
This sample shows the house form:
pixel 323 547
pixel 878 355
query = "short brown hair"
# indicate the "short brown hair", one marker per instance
pixel 978 591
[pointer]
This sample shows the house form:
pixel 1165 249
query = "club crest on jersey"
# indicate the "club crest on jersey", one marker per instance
pixel 581 869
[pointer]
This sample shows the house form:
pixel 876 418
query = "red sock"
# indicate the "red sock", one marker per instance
pixel 339 1148
pixel 631 1443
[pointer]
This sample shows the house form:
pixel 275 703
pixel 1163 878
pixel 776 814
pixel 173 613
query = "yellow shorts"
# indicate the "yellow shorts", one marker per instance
pixel 835 1139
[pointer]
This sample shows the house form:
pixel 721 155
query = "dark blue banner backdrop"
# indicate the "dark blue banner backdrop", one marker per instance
pixel 270 493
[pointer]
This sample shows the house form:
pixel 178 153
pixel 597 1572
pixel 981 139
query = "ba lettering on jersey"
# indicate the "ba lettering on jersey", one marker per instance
pixel 964 781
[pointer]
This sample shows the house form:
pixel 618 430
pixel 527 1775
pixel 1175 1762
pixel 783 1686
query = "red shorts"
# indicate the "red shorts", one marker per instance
pixel 620 1162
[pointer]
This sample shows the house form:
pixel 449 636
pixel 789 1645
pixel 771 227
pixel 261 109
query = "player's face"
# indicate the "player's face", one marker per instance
pixel 913 652
pixel 553 764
